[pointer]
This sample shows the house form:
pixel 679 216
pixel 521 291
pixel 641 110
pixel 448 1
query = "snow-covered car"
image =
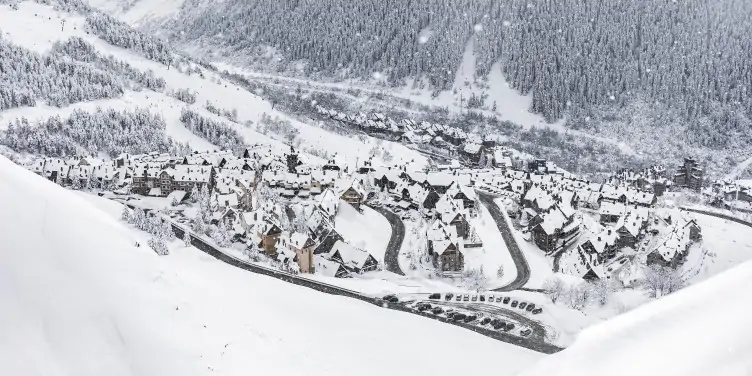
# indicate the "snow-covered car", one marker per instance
pixel 525 332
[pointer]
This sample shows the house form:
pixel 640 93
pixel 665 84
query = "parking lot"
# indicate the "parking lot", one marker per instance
pixel 492 311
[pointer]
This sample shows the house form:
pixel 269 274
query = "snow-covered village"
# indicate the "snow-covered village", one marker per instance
pixel 495 220
pixel 375 188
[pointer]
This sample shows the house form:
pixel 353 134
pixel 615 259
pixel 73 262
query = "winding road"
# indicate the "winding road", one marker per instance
pixel 523 269
pixel 391 257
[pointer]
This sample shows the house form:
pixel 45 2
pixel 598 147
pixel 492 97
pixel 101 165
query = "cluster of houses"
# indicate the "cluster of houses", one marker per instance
pixel 450 140
pixel 655 179
pixel 548 202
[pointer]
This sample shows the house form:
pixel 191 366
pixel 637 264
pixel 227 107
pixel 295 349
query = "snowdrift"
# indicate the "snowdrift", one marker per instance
pixel 702 330
pixel 79 299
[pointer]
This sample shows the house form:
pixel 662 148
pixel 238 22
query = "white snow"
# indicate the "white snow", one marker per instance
pixel 727 243
pixel 78 298
pixel 136 12
pixel 368 230
pixel 703 329
pixel 494 252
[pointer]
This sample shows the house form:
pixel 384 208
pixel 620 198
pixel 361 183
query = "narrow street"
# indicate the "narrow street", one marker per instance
pixel 523 269
pixel 391 257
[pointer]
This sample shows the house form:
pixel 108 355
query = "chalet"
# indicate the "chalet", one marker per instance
pixel 439 181
pixel 329 268
pixel 422 198
pixel 610 212
pixel 673 250
pixel 447 255
pixel 269 233
pixel 689 175
pixel 555 231
pixel 353 259
pixel 353 195
pixel 630 229
pixel 472 152
pixel 458 221
pixel 602 246
pixel 465 194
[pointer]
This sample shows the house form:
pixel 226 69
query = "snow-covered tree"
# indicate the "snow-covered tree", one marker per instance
pixel 125 215
pixel 500 271
pixel 660 281
pixel 158 244
pixel 555 288
pixel 579 296
pixel 602 291
pixel 186 238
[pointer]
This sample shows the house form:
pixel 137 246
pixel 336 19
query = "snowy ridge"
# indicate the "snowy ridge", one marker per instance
pixel 701 330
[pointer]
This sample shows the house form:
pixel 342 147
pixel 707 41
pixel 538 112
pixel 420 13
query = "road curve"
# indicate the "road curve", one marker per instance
pixel 391 257
pixel 523 269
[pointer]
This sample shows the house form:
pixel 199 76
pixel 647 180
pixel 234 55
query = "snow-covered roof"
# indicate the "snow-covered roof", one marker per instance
pixel 612 208
pixel 326 267
pixel 351 256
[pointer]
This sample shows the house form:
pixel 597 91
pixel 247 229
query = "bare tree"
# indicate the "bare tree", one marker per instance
pixel 660 281
pixel 579 296
pixel 500 271
pixel 555 288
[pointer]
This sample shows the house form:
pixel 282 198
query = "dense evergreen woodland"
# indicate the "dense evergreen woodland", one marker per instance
pixel 103 131
pixel 577 57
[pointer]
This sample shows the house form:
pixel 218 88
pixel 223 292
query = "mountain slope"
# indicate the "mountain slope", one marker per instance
pixel 78 298
pixel 703 329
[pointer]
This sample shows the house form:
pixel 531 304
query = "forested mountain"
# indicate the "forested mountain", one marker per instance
pixel 577 57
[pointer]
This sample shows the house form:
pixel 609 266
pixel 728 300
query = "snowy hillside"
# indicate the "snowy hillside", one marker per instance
pixel 701 330
pixel 80 299
pixel 37 27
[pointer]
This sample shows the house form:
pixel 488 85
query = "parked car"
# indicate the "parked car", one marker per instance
pixel 448 297
pixel 485 321
pixel 459 297
pixel 506 300
pixel 537 311
pixel 474 298
pixel 523 305
pixel 450 314
pixel 466 298
pixel 514 304
pixel 424 307
pixel 482 298
pixel 525 332
pixel 459 316
pixel 509 327
pixel 391 299
pixel 434 296
pixel 530 307
pixel 498 299
pixel 437 310
pixel 490 298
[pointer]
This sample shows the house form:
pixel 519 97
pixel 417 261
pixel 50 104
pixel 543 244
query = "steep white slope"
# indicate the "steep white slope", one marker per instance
pixel 78 298
pixel 701 330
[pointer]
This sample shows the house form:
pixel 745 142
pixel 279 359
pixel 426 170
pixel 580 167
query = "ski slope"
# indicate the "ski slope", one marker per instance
pixel 701 330
pixel 79 299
